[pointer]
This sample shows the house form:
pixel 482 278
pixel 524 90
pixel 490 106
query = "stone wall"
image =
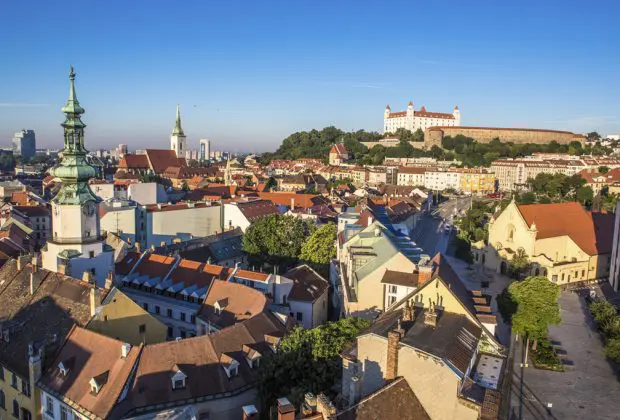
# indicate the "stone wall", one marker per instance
pixel 434 135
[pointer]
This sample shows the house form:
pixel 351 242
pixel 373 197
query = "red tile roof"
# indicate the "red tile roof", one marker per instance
pixel 89 355
pixel 308 285
pixel 251 275
pixel 339 149
pixel 286 198
pixel 154 265
pixel 134 162
pixel 570 219
pixel 242 302
pixel 161 159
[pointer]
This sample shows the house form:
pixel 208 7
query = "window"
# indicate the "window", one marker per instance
pixel 49 406
pixel 26 388
pixel 393 289
pixel 193 319
pixel 142 328
pixel 26 414
pixel 179 384
pixel 91 254
pixel 300 316
pixel 2 399
pixel 554 278
pixel 64 413
pixel 169 313
pixel 1 373
pixel 157 310
pixel 170 332
pixel 182 333
pixel 182 314
pixel 15 408
pixel 145 306
pixel 391 300
pixel 14 380
pixel 583 273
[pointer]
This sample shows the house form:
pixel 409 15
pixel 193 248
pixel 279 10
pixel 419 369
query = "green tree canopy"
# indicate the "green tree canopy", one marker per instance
pixel 537 306
pixel 276 239
pixel 320 248
pixel 306 361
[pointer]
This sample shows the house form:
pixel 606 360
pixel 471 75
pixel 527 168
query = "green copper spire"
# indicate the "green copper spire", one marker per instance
pixel 178 130
pixel 74 170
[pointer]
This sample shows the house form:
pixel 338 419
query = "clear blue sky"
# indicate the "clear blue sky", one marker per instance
pixel 249 73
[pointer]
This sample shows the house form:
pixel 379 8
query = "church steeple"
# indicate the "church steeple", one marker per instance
pixel 74 170
pixel 178 130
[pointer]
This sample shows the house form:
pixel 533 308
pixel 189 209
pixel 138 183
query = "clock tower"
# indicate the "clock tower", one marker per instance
pixel 76 245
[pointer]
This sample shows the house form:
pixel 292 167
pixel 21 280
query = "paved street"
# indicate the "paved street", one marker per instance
pixel 589 387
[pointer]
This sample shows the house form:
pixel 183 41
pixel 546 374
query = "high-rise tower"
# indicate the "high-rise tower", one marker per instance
pixel 76 245
pixel 177 138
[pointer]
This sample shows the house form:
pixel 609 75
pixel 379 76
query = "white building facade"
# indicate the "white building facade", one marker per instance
pixel 412 120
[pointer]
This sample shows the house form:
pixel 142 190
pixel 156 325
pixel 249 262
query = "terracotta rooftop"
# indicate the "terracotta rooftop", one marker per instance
pixel 339 149
pixel 161 159
pixel 400 279
pixel 254 210
pixel 395 400
pixel 411 170
pixel 243 302
pixel 308 285
pixel 287 198
pixel 199 358
pixel 43 318
pixel 570 219
pixel 89 355
pixel 134 162
pixel 251 275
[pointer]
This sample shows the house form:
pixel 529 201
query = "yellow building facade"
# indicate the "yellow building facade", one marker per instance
pixel 121 318
pixel 562 241
pixel 477 181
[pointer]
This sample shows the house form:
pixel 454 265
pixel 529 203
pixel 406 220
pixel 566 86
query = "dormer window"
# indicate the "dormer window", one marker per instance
pixel 178 379
pixel 252 356
pixel 220 305
pixel 63 369
pixel 230 365
pixel 97 382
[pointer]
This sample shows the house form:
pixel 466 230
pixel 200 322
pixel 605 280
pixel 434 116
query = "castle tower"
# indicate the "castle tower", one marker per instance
pixel 457 115
pixel 410 125
pixel 387 111
pixel 76 241
pixel 177 138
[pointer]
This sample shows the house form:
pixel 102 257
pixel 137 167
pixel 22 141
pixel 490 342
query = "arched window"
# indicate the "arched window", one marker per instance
pixel 510 233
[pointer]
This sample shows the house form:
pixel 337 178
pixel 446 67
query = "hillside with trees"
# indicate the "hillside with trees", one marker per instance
pixel 316 144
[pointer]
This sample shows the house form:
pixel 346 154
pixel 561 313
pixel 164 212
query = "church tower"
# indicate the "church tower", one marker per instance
pixel 76 245
pixel 177 139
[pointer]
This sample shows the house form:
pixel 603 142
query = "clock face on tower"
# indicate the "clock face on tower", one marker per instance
pixel 88 209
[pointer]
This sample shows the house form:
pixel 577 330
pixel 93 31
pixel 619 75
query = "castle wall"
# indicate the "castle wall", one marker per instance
pixel 434 135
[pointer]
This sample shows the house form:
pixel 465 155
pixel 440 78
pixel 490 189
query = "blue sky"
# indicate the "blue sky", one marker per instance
pixel 248 73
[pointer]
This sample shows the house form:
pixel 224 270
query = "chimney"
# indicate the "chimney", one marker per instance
pixel 62 269
pixel 125 348
pixel 109 280
pixel 286 410
pixel 87 277
pixel 35 262
pixel 408 312
pixel 249 412
pixel 391 371
pixel 425 273
pixel 137 246
pixel 325 407
pixel 293 203
pixel 430 317
pixel 93 302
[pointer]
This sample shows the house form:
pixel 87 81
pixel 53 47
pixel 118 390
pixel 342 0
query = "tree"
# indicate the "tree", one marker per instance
pixel 603 169
pixel 593 136
pixel 275 239
pixel 585 195
pixel 320 248
pixel 184 185
pixel 418 135
pixel 537 306
pixel 519 264
pixel 306 361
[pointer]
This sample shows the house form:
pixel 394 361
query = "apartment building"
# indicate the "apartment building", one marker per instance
pixel 411 176
pixel 513 174
pixel 439 179
pixel 476 181
pixel 437 340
